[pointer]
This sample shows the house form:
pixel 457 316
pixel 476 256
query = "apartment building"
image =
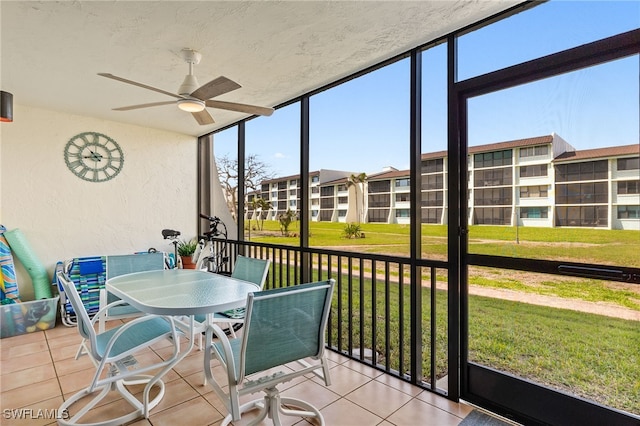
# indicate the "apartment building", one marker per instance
pixel 540 181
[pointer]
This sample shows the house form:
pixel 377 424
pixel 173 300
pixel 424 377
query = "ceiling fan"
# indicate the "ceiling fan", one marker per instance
pixel 194 98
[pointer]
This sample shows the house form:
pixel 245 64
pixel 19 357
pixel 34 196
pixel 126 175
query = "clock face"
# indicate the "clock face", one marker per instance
pixel 93 157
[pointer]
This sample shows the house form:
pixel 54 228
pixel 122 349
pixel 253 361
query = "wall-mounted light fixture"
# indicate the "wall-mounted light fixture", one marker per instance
pixel 6 106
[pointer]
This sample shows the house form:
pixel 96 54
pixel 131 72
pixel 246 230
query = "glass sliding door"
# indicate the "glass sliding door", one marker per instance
pixel 552 266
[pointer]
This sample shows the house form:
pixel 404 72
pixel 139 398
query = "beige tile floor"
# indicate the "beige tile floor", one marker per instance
pixel 38 370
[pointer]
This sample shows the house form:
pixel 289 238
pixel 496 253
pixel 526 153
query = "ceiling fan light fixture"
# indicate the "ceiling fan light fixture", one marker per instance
pixel 191 105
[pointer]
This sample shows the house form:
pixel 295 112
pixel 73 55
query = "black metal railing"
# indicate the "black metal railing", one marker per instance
pixel 371 319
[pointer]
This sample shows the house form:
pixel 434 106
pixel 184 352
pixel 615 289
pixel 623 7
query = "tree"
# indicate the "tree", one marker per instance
pixel 255 172
pixel 264 206
pixel 357 181
pixel 285 220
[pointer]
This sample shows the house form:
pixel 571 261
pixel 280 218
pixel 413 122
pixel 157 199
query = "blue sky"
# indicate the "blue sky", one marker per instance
pixel 363 125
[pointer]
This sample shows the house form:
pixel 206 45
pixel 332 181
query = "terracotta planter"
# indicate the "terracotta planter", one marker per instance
pixel 187 263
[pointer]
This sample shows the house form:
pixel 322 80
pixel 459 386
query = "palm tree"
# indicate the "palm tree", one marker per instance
pixel 357 181
pixel 264 206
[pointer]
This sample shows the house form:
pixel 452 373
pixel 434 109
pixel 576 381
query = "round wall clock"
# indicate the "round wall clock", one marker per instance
pixel 93 157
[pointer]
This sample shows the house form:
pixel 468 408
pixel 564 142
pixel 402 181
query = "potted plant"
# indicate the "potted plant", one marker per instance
pixel 185 251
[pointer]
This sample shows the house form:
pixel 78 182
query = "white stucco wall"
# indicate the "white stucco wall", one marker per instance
pixel 63 216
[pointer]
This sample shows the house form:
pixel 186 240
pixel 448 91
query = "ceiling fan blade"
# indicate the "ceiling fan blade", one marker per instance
pixel 144 86
pixel 127 108
pixel 232 106
pixel 215 87
pixel 203 117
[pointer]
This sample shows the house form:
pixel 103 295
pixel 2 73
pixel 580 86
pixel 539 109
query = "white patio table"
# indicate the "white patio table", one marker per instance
pixel 180 293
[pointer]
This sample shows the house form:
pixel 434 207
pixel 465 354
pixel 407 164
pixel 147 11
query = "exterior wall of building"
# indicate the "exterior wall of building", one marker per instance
pixel 532 182
pixel 625 190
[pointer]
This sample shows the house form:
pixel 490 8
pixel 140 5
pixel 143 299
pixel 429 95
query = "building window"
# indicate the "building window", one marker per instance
pixel 433 166
pixel 315 202
pixel 629 187
pixel 537 191
pixel 431 215
pixel 534 212
pixel 326 203
pixel 492 197
pixel 433 181
pixel 582 193
pixel 292 204
pixel 589 216
pixel 325 215
pixel 282 184
pixel 293 182
pixel 314 213
pixel 628 212
pixel 315 179
pixel 590 170
pixel 629 163
pixel 315 190
pixel 343 200
pixel 342 187
pixel 378 215
pixel 433 198
pixel 492 215
pixel 380 200
pixel 402 213
pixel 533 171
pixel 403 183
pixel 533 151
pixel 404 196
pixel 342 213
pixel 379 186
pixel 492 159
pixel 492 177
pixel 326 191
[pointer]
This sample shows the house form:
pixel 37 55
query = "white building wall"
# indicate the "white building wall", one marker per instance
pixel 63 216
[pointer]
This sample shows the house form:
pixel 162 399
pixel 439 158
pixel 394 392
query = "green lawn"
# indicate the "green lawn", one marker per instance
pixel 598 246
pixel 588 355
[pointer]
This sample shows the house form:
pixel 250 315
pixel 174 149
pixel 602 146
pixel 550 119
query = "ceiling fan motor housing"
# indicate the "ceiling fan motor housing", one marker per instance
pixel 189 85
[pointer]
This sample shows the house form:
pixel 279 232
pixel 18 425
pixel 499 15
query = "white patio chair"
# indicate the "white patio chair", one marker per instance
pixel 117 265
pixel 247 269
pixel 282 326
pixel 120 265
pixel 112 354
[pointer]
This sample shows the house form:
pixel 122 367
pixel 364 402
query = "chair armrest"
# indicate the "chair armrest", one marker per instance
pixel 103 310
pixel 228 362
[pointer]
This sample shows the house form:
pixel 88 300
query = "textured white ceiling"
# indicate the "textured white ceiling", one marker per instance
pixel 52 51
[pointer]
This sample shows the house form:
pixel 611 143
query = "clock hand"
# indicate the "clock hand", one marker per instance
pixel 94 156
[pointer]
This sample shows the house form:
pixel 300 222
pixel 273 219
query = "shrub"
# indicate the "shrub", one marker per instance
pixel 352 230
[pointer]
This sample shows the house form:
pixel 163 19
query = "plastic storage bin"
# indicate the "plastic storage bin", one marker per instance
pixel 28 317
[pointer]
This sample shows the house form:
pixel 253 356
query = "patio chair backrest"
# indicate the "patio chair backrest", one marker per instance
pixel 129 263
pixel 85 327
pixel 251 269
pixel 284 325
